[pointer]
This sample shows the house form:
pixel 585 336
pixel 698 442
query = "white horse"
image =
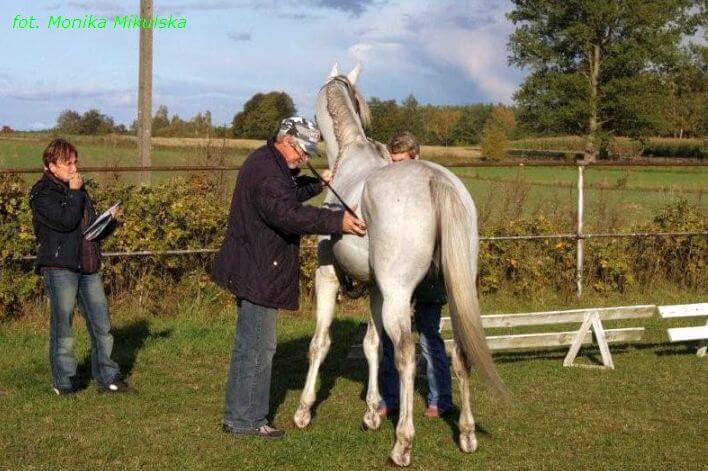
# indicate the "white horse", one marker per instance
pixel 419 216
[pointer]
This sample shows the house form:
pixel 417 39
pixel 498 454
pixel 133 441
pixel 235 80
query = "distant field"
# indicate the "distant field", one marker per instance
pixel 26 151
pixel 615 196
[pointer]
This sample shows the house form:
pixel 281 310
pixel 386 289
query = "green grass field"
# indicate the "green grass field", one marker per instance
pixel 649 413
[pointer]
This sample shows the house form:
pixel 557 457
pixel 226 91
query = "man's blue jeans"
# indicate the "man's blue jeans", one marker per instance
pixel 64 288
pixel 248 385
pixel 427 321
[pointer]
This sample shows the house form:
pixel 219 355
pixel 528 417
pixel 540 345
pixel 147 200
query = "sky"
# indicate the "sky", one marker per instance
pixel 443 52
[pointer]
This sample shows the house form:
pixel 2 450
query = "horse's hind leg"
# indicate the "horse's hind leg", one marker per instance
pixel 468 440
pixel 326 286
pixel 397 322
pixel 372 351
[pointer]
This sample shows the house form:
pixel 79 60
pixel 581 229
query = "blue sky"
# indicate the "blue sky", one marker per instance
pixel 443 52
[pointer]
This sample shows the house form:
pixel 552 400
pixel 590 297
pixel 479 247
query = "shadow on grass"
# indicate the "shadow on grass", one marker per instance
pixel 128 340
pixel 291 363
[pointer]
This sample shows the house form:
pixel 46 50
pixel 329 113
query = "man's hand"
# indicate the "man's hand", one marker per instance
pixel 76 182
pixel 326 175
pixel 352 224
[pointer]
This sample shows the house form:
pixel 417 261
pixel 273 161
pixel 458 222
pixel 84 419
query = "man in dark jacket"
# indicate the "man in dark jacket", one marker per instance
pixel 69 265
pixel 259 263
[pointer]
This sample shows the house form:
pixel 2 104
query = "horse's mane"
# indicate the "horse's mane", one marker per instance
pixel 346 127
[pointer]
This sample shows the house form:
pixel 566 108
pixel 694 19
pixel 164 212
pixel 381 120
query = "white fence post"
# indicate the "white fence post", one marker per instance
pixel 579 235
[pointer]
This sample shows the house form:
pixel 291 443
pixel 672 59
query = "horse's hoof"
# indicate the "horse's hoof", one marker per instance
pixel 468 443
pixel 400 455
pixel 302 418
pixel 372 420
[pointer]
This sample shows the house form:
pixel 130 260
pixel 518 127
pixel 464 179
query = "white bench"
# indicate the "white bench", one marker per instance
pixel 687 334
pixel 590 321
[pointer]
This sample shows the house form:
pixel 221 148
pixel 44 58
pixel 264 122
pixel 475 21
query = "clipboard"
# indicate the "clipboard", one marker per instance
pixel 100 224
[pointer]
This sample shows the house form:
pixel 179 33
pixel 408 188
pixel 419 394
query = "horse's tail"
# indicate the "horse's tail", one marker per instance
pixel 458 248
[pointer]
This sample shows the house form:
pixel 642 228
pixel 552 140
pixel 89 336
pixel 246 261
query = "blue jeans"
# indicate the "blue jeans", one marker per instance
pixel 248 385
pixel 427 321
pixel 64 288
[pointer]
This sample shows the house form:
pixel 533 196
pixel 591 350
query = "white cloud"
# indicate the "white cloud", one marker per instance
pixel 439 38
pixel 371 52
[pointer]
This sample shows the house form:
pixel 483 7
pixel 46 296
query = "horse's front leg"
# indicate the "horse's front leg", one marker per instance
pixel 372 350
pixel 326 286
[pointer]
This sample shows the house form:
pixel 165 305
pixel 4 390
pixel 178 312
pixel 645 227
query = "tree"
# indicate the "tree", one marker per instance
pixel 687 86
pixel 386 119
pixel 469 127
pixel 412 116
pixel 603 50
pixel 161 121
pixel 262 114
pixel 497 131
pixel 440 122
pixel 91 122
pixel 69 122
pixel 94 122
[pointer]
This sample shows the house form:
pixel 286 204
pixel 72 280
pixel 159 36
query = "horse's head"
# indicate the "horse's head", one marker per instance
pixel 341 111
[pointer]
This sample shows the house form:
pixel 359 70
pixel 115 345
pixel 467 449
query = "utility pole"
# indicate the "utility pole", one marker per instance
pixel 145 90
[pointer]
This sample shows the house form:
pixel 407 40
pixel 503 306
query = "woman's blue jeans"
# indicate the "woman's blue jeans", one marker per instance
pixel 65 288
pixel 432 346
pixel 248 385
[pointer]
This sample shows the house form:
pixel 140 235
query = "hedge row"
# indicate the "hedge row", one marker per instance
pixel 191 213
pixel 622 147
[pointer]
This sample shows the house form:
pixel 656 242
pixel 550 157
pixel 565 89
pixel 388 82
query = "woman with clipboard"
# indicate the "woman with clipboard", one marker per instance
pixel 69 263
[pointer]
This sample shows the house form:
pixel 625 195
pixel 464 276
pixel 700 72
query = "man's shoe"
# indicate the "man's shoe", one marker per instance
pixel 270 433
pixel 118 387
pixel 63 391
pixel 264 431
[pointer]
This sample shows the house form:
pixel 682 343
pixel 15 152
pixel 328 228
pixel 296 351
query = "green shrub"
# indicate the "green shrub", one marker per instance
pixel 190 213
pixel 494 143
pixel 681 259
pixel 673 147
pixel 17 286
pixel 181 214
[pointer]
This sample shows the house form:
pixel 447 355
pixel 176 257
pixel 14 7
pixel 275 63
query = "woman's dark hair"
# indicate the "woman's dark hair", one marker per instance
pixel 59 150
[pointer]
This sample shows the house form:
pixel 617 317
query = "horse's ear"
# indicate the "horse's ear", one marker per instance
pixel 334 72
pixel 354 74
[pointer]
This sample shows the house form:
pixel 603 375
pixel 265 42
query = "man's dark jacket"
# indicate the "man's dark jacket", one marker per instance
pixel 58 216
pixel 260 256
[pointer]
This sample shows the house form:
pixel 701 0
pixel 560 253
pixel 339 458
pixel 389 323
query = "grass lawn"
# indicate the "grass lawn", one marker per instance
pixel 649 413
